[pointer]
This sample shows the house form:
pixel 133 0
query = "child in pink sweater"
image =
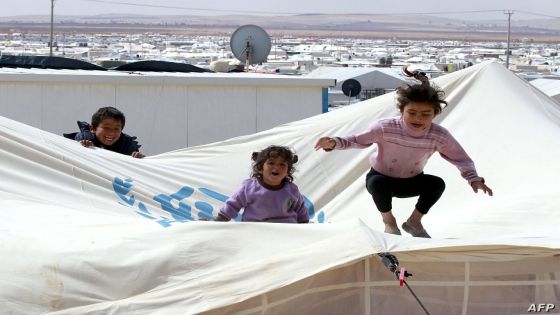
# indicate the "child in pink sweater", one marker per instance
pixel 404 145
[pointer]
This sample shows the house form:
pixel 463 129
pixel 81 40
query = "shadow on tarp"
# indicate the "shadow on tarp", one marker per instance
pixel 48 62
pixel 159 66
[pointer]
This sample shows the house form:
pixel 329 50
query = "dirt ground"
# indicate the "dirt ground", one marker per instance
pixel 227 31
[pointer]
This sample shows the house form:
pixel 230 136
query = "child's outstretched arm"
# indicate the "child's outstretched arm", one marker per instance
pixel 454 153
pixel 479 184
pixel 360 140
pixel 233 204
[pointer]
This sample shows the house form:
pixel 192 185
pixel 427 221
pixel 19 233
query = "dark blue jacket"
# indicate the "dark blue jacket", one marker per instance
pixel 125 144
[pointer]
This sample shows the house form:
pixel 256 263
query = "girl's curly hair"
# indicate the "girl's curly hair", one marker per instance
pixel 420 93
pixel 273 151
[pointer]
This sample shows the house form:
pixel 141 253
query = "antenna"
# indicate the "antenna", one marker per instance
pixel 509 13
pixel 351 88
pixel 250 44
pixel 52 22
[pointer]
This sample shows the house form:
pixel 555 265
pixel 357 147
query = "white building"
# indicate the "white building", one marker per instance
pixel 166 111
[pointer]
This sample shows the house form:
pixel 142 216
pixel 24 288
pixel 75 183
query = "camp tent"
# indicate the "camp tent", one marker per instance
pixel 373 81
pixel 87 231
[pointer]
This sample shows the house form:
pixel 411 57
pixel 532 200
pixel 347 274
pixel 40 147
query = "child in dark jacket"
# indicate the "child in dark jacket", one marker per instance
pixel 105 132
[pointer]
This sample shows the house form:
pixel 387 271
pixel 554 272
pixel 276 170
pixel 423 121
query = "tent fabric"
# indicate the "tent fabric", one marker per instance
pixel 88 231
pixel 159 66
pixel 46 62
pixel 50 62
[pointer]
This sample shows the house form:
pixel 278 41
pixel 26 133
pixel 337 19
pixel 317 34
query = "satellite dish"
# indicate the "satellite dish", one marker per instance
pixel 351 87
pixel 250 44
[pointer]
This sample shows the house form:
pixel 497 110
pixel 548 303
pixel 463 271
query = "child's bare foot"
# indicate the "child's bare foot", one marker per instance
pixel 390 223
pixel 415 225
pixel 392 229
pixel 416 230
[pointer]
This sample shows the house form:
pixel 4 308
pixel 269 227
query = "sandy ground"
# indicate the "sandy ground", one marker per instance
pixel 227 31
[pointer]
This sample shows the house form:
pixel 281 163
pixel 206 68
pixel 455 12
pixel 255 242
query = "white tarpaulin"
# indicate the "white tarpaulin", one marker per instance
pixel 88 231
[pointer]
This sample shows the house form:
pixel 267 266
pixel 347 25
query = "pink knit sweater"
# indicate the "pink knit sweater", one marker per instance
pixel 402 152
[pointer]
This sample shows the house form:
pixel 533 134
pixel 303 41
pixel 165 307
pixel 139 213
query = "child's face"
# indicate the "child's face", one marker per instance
pixel 418 116
pixel 274 171
pixel 108 131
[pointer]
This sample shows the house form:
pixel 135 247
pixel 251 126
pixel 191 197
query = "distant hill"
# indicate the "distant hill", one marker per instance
pixel 320 24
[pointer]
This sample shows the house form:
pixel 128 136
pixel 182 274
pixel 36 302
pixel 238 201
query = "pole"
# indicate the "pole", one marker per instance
pixel 392 263
pixel 509 13
pixel 416 297
pixel 52 23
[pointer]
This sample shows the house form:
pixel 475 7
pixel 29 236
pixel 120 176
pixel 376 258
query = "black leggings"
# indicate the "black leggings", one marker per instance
pixel 383 188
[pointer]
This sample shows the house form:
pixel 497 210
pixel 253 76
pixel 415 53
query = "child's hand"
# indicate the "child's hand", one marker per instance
pixel 325 143
pixel 221 218
pixel 479 184
pixel 86 143
pixel 137 154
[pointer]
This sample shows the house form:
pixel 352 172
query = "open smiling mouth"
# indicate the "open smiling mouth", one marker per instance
pixel 109 140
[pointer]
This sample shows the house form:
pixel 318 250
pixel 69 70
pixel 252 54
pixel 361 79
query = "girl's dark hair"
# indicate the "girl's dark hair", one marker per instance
pixel 107 112
pixel 420 93
pixel 273 151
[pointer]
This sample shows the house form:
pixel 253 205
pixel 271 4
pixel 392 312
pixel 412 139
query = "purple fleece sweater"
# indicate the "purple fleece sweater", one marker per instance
pixel 284 205
pixel 402 152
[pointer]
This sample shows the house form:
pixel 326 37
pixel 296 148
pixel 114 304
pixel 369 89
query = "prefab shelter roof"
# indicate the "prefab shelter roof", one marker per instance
pixel 367 76
pixel 550 87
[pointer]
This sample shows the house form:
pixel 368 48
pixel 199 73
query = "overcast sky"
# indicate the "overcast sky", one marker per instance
pixel 278 7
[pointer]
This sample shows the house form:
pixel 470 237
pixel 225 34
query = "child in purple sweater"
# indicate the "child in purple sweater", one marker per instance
pixel 404 145
pixel 269 195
